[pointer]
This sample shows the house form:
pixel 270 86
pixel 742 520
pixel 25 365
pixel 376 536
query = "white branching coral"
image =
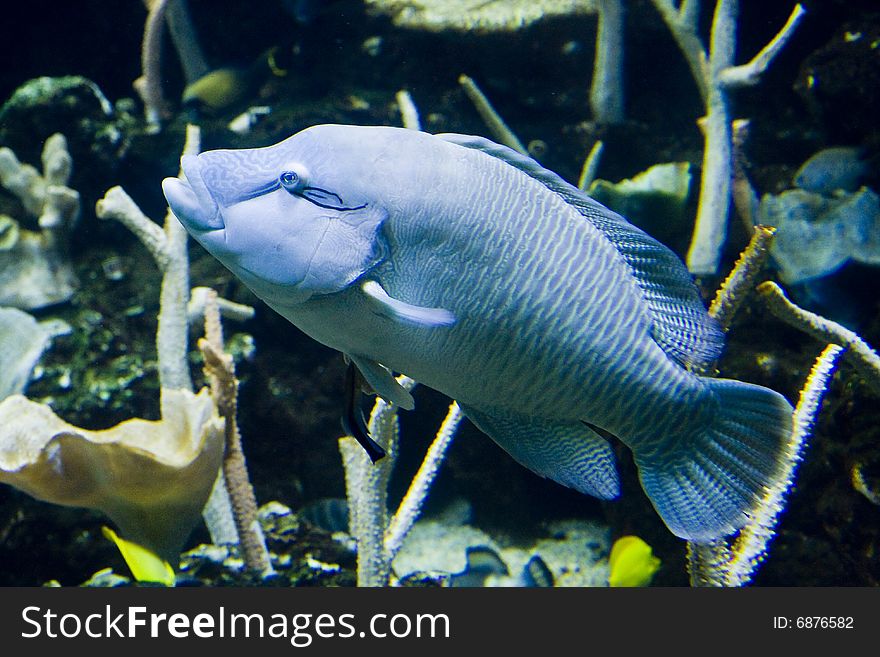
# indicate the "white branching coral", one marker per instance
pixel 606 88
pixel 34 271
pixel 716 75
pixel 167 246
pixel 366 488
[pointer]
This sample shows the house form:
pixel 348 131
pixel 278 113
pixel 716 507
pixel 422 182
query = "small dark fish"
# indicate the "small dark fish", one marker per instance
pixel 353 422
pixel 229 88
pixel 218 91
pixel 329 514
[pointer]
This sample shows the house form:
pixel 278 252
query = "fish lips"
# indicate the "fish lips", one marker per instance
pixel 190 200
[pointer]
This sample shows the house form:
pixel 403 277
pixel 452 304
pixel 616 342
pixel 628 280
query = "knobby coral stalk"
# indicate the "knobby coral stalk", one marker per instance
pixel 743 277
pixel 366 486
pixel 721 564
pixel 751 543
pixel 220 369
pixel 707 561
pixel 858 354
pixel 168 248
pixel 411 505
pixel 739 284
pixel 366 491
pixel 718 563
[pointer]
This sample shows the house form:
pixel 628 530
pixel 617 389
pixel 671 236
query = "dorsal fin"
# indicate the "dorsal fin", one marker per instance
pixel 681 325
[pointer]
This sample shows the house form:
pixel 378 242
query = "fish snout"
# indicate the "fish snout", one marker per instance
pixel 190 200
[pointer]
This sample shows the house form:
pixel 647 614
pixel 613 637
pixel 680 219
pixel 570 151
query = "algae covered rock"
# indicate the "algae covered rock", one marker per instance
pixel 825 221
pixel 22 341
pixel 656 196
pixel 71 104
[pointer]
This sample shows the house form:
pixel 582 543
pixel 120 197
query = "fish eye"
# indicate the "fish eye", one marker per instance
pixel 289 179
pixel 293 178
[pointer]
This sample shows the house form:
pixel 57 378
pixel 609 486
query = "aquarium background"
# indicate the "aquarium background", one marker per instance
pixel 344 65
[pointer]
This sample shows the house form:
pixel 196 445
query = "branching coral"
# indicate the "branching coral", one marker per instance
pixel 716 74
pixel 168 248
pixel 34 271
pixel 858 353
pixel 366 485
pixel 742 278
pixel 151 478
pixel 479 17
pixel 606 88
pixel 220 369
pixel 733 563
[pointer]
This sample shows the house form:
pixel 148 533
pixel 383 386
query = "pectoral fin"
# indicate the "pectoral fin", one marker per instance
pixel 400 310
pixel 381 380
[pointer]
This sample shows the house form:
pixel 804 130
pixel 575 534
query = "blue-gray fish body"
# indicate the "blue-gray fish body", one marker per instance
pixel 482 275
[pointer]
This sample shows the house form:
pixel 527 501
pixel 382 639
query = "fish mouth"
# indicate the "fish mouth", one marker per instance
pixel 190 200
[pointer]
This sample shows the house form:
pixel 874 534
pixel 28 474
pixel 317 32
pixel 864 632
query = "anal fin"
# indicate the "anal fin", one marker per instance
pixel 571 454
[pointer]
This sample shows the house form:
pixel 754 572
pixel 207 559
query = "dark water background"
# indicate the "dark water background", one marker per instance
pixel 291 390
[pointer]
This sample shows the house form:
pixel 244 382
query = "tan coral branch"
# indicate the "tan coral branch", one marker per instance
pixel 858 354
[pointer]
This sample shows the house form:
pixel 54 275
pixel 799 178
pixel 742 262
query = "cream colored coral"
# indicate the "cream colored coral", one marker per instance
pixel 151 478
pixel 34 272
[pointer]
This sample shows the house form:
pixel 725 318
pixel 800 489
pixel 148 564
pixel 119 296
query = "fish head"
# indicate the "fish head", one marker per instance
pixel 290 220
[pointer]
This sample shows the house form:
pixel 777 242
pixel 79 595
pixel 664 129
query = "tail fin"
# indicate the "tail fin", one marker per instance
pixel 706 490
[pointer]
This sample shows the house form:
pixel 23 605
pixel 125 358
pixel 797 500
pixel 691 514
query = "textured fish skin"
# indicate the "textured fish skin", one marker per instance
pixel 564 314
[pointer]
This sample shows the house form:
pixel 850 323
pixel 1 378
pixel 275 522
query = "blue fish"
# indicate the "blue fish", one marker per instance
pixel 477 272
